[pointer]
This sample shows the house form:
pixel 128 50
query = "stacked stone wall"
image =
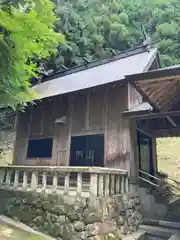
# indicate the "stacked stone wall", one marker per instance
pixel 68 218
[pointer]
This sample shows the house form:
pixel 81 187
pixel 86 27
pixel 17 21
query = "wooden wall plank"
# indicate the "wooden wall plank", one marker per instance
pixel 21 141
pixel 41 124
pixel 47 119
pixel 38 161
pixel 79 112
pixel 117 129
pixel 36 121
pixel 97 109
pixel 103 111
pixel 61 133
pixel 134 97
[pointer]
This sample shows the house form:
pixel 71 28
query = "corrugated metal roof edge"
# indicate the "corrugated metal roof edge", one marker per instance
pixel 154 55
pixel 124 54
pixel 124 80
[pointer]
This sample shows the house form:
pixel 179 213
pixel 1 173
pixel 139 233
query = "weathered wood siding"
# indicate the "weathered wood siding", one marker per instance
pixel 38 122
pixel 117 128
pixel 79 107
pixel 134 97
pixel 90 111
pixel 97 108
pixel 61 132
pixel 21 142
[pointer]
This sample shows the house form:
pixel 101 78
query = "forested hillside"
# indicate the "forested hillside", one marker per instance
pixel 92 28
pixel 96 28
pixel 99 28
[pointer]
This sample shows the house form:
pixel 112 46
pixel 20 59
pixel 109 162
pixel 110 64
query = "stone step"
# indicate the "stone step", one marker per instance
pixel 173 215
pixel 154 237
pixel 160 223
pixel 139 235
pixel 18 229
pixel 159 231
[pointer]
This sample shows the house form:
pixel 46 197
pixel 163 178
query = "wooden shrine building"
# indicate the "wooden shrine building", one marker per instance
pixel 85 116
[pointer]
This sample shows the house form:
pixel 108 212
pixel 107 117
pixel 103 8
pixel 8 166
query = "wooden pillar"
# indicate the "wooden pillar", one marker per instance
pixel 154 153
pixel 61 143
pixel 134 166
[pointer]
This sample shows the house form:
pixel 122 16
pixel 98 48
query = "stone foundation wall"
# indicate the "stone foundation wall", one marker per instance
pixel 69 218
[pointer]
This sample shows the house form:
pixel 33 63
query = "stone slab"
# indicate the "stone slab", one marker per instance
pixel 159 231
pixel 139 235
pixel 23 227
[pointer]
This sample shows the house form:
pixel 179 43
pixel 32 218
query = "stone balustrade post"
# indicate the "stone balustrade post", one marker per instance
pixel 44 180
pixel 55 182
pixel 122 184
pixel 25 180
pixel 2 175
pixel 93 184
pixel 66 183
pixel 126 184
pixel 16 179
pixel 107 185
pixel 101 185
pixel 8 177
pixel 117 187
pixel 34 180
pixel 112 187
pixel 79 184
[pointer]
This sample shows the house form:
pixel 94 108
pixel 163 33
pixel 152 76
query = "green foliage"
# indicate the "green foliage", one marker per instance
pixel 26 36
pixel 94 28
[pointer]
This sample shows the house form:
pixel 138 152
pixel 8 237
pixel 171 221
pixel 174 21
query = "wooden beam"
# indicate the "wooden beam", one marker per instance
pixel 172 122
pixel 166 73
pixel 167 132
pixel 155 115
pixel 158 80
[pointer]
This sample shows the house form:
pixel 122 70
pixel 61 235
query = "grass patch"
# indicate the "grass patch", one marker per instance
pixel 168 156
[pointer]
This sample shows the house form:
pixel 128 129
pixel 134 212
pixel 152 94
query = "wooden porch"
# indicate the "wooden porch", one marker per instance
pixel 73 181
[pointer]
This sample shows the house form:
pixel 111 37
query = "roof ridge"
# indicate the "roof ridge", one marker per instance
pixel 124 54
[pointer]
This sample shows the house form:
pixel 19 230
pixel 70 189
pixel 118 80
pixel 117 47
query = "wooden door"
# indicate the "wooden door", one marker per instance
pixel 87 150
pixel 145 153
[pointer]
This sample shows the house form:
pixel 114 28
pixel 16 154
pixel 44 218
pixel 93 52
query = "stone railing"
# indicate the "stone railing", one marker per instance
pixel 76 181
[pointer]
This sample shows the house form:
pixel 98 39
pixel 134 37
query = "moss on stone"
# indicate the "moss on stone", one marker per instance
pixel 70 218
